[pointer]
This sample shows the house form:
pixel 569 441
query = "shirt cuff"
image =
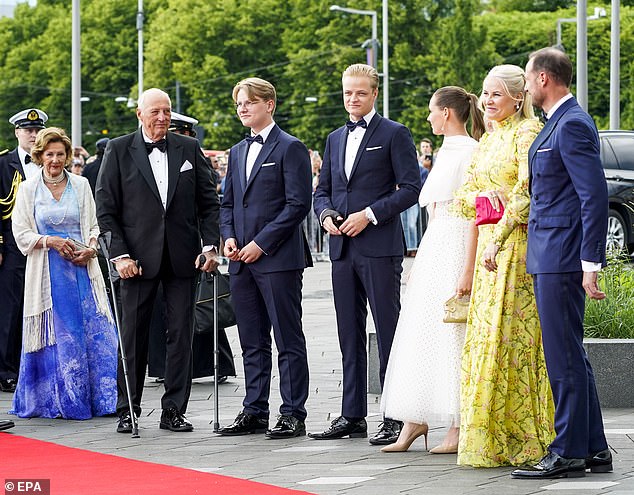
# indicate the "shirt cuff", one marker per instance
pixel 590 266
pixel 369 214
pixel 114 260
pixel 211 247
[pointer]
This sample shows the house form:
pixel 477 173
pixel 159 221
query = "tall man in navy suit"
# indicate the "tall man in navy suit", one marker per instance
pixel 267 196
pixel 566 248
pixel 369 176
pixel 15 166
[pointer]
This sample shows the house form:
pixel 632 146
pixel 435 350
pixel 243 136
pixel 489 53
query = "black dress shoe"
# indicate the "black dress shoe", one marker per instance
pixel 553 466
pixel 125 423
pixel 601 462
pixel 173 420
pixel 8 384
pixel 341 427
pixel 5 424
pixel 222 379
pixel 388 432
pixel 245 424
pixel 287 427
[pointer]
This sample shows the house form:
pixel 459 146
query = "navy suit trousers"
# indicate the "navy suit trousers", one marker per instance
pixel 263 300
pixel 358 280
pixel 578 422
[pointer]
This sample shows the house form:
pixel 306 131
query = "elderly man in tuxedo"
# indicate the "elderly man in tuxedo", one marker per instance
pixel 369 176
pixel 157 196
pixel 566 248
pixel 267 197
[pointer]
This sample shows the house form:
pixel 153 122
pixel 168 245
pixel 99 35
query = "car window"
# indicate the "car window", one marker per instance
pixel 623 147
pixel 608 158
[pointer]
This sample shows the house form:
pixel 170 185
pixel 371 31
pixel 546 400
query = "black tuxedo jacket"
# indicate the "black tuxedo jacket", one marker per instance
pixel 129 205
pixel 10 167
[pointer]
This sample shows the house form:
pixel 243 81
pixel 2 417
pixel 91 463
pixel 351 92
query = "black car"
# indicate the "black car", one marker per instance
pixel 617 156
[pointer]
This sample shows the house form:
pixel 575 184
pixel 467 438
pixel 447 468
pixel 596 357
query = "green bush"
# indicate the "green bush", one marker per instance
pixel 613 317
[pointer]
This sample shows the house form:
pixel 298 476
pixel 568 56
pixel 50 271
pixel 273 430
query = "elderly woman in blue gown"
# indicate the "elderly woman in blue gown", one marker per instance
pixel 68 365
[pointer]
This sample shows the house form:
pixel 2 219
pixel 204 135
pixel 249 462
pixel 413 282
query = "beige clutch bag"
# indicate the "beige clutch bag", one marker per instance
pixel 456 309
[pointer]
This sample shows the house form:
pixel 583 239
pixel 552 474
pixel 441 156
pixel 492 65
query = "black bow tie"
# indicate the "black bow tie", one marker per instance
pixel 161 144
pixel 27 159
pixel 353 125
pixel 254 139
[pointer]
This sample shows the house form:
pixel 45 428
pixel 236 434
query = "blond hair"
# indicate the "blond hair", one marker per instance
pixel 48 136
pixel 513 81
pixel 256 88
pixel 363 70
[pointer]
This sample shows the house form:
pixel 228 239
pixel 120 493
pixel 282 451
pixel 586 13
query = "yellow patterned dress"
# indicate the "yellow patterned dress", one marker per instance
pixel 507 410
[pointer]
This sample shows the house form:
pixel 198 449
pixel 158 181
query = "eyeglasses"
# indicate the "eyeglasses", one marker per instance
pixel 247 104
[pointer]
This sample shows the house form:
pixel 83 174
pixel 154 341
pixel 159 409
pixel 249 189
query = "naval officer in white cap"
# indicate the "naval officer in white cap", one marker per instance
pixel 15 167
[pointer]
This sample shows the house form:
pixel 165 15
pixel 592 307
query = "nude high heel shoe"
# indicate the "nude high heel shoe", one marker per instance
pixel 409 433
pixel 449 444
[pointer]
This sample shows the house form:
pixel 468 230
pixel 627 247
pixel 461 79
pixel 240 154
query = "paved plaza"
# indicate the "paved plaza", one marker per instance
pixel 347 466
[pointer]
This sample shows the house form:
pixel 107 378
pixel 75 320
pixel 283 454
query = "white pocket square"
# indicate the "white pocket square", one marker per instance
pixel 270 164
pixel 374 148
pixel 544 149
pixel 186 166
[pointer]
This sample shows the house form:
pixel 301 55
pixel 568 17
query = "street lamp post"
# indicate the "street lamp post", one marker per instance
pixel 75 103
pixel 582 47
pixel 374 43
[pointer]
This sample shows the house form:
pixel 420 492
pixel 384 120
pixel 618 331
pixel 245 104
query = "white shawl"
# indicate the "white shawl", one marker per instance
pixel 38 330
pixel 448 173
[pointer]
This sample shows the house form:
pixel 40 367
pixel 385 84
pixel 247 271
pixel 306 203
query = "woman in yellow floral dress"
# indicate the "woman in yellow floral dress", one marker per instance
pixel 506 403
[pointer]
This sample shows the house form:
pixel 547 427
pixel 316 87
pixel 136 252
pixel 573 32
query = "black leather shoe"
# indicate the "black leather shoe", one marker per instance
pixel 341 427
pixel 8 385
pixel 287 427
pixel 125 423
pixel 245 424
pixel 553 466
pixel 388 432
pixel 222 379
pixel 5 424
pixel 173 420
pixel 601 462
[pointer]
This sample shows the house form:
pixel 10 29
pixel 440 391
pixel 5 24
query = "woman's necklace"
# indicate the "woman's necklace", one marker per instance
pixel 54 181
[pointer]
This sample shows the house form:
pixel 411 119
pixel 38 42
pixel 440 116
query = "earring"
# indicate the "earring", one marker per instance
pixel 517 107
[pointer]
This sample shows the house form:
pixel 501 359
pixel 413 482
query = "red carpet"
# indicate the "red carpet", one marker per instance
pixel 81 472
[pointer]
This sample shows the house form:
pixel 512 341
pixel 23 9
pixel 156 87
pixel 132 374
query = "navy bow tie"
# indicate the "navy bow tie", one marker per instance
pixel 353 125
pixel 254 139
pixel 543 117
pixel 161 144
pixel 27 159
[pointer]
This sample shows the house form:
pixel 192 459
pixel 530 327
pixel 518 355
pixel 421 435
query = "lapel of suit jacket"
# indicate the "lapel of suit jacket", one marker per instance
pixel 174 163
pixel 545 133
pixel 372 126
pixel 343 141
pixel 241 149
pixel 16 163
pixel 268 146
pixel 141 160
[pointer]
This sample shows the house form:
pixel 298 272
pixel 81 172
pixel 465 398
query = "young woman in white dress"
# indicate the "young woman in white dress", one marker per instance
pixel 422 382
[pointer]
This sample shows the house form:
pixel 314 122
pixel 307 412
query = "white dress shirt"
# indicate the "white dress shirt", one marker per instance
pixel 353 143
pixel 158 162
pixel 30 169
pixel 255 148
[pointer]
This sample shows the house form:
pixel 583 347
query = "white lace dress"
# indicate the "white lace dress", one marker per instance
pixel 422 382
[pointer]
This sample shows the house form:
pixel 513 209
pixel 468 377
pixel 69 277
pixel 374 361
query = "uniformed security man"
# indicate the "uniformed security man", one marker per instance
pixel 202 347
pixel 15 167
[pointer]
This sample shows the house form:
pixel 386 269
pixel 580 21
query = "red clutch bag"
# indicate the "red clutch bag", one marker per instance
pixel 485 213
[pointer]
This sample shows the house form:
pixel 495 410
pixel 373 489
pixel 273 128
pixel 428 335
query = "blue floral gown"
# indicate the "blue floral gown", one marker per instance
pixel 75 378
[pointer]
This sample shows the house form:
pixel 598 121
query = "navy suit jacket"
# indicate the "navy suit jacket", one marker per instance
pixel 569 200
pixel 384 176
pixel 9 166
pixel 270 207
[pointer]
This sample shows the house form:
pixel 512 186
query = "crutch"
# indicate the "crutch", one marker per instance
pixel 104 242
pixel 201 261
